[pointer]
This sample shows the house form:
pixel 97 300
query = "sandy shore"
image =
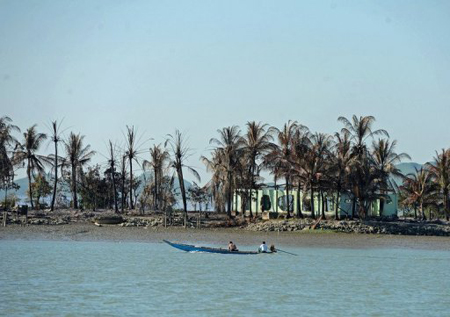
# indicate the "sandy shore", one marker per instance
pixel 219 237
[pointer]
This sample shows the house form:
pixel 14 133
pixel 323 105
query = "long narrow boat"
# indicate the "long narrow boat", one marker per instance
pixel 194 248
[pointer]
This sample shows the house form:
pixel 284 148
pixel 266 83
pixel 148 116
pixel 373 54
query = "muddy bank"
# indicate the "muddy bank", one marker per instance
pixel 218 230
pixel 219 236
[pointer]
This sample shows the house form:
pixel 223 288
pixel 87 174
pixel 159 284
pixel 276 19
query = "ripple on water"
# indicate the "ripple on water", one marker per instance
pixel 106 278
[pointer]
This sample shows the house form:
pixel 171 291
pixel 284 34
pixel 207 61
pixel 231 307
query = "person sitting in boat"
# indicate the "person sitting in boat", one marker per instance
pixel 232 246
pixel 272 248
pixel 263 247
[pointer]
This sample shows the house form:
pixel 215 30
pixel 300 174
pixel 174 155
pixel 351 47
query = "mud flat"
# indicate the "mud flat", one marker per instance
pixel 87 231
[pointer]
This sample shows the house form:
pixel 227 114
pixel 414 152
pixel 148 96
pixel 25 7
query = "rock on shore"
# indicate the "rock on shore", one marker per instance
pixel 436 228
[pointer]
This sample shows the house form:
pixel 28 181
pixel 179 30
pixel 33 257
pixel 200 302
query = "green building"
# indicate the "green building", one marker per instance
pixel 274 201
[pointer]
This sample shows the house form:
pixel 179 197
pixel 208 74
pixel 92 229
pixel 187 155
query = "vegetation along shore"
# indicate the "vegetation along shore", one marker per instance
pixel 311 177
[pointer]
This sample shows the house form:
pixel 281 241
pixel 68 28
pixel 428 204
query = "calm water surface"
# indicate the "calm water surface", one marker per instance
pixel 47 278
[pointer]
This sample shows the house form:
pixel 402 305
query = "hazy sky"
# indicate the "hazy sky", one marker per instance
pixel 201 65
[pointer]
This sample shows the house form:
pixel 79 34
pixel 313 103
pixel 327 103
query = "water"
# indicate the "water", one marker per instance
pixel 48 278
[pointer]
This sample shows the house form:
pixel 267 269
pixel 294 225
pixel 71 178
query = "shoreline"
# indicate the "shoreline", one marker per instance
pixel 86 231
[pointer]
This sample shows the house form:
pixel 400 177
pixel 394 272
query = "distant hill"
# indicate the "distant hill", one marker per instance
pixel 409 168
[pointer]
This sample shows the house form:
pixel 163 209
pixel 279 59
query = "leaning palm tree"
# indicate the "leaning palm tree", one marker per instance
pixel 256 143
pixel 280 159
pixel 385 159
pixel 228 147
pixel 159 159
pixel 27 153
pixel 180 153
pixel 77 155
pixel 440 170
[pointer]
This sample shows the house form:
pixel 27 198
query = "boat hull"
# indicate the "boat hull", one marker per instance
pixel 194 248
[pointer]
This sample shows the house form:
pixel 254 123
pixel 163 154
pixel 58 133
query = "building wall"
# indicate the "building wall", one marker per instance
pixel 275 201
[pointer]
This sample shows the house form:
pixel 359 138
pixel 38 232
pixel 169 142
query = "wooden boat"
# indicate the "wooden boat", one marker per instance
pixel 195 248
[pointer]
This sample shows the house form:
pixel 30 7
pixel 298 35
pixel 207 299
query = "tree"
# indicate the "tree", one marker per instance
pixel 385 159
pixel 92 188
pixel 279 160
pixel 27 154
pixel 440 171
pixel 256 143
pixel 218 183
pixel 228 147
pixel 340 164
pixel 131 154
pixel 313 171
pixel 419 190
pixel 112 172
pixel 359 131
pixel 41 188
pixel 159 160
pixel 55 138
pixel 180 153
pixel 8 144
pixel 77 155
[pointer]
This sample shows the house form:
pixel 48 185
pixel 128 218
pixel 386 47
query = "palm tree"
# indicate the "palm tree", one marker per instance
pixel 359 131
pixel 419 190
pixel 131 153
pixel 256 143
pixel 77 155
pixel 55 138
pixel 340 161
pixel 27 153
pixel 7 145
pixel 280 159
pixel 440 170
pixel 385 159
pixel 218 183
pixel 228 146
pixel 112 169
pixel 180 153
pixel 159 159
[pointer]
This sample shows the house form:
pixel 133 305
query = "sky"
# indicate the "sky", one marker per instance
pixel 199 66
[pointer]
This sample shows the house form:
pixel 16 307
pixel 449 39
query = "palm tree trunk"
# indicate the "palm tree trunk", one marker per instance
pixel 311 189
pixel 446 204
pixel 183 193
pixel 336 206
pixel 353 207
pixel 299 205
pixel 252 171
pixel 74 187
pixel 323 204
pixel 229 196
pixel 30 189
pixel 288 215
pixel 116 207
pixel 131 184
pixel 155 196
pixel 56 177
pixel 421 211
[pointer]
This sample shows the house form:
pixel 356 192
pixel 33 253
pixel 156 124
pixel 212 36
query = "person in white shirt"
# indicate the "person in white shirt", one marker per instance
pixel 263 247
